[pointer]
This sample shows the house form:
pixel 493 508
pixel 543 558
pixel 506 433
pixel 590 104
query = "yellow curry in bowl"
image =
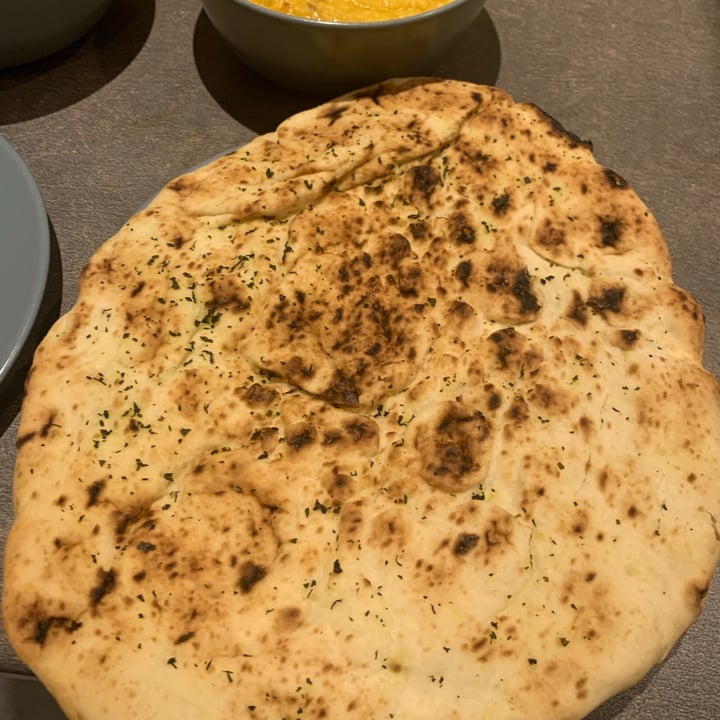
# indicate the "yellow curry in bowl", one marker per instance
pixel 352 10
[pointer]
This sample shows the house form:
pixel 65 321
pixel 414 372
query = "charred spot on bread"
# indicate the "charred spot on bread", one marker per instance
pixel 250 575
pixel 609 299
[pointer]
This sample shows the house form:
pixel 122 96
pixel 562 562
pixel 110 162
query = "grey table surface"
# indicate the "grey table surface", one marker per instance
pixel 153 91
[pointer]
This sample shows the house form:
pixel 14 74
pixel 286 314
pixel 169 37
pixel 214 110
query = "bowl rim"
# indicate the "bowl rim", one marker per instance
pixel 348 25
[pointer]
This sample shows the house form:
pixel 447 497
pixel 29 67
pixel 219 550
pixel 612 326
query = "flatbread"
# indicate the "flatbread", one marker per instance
pixel 395 412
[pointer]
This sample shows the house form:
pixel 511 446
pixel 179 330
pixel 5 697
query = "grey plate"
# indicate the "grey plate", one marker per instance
pixel 24 254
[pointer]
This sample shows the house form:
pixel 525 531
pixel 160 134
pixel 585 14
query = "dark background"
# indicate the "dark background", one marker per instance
pixel 152 90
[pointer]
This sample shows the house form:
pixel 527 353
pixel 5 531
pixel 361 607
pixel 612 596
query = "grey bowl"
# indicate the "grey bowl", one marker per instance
pixel 327 58
pixel 33 29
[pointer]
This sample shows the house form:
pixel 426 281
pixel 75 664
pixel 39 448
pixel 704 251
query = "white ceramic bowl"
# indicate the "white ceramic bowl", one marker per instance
pixel 326 58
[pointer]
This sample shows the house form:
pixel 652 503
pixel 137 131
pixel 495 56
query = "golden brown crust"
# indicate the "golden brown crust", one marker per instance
pixel 397 402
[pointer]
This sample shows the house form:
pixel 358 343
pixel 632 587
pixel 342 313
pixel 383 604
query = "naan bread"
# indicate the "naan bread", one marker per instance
pixel 395 412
